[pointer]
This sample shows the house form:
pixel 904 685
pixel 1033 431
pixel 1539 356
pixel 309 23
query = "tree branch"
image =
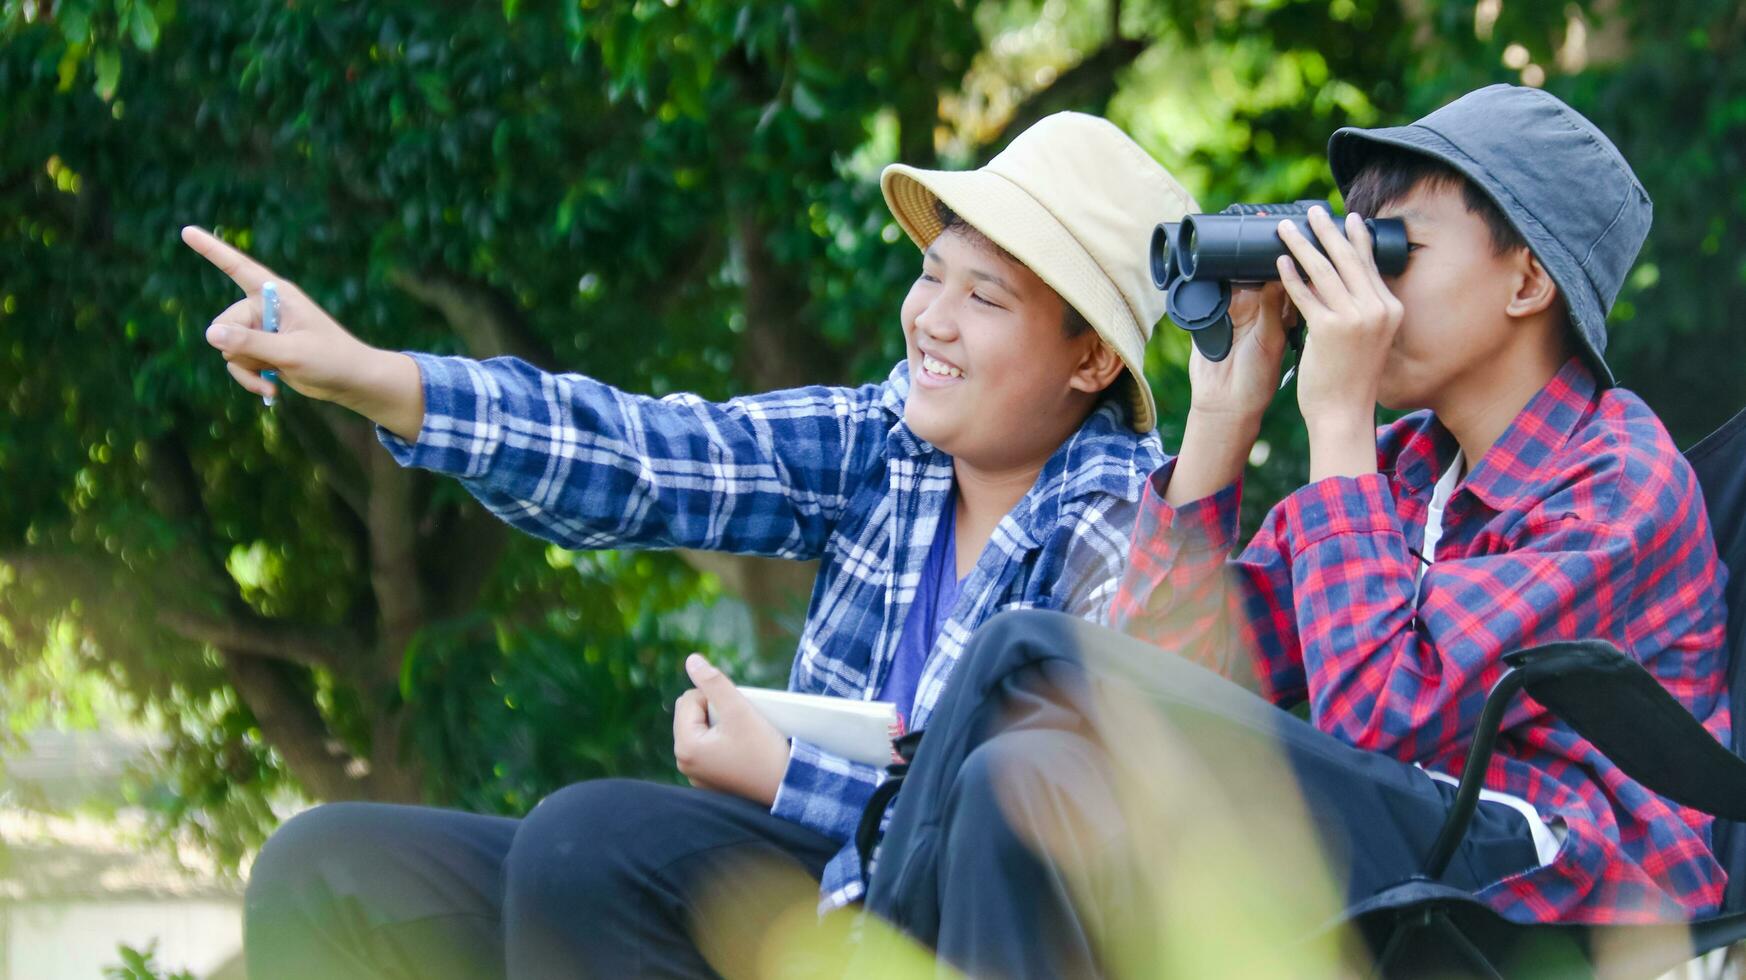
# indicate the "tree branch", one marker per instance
pixel 486 321
pixel 333 447
pixel 779 352
pixel 394 574
pixel 263 657
pixel 253 636
pixel 1086 86
pixel 291 724
pixel 461 551
pixel 774 589
pixel 393 776
pixel 174 489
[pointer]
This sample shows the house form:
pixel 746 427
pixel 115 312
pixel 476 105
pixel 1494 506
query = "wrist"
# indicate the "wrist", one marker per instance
pixel 1341 445
pixel 1215 448
pixel 390 392
pixel 1213 412
pixel 1324 402
pixel 1222 423
pixel 1346 423
pixel 775 767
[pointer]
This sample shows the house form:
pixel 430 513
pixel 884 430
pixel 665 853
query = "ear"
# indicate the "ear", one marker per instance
pixel 1535 291
pixel 1098 366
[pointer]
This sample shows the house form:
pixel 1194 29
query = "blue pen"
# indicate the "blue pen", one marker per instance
pixel 270 323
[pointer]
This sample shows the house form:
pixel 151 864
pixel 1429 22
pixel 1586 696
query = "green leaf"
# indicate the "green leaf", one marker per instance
pixel 807 104
pixel 143 25
pixel 76 23
pixel 108 62
pixel 435 92
pixel 68 70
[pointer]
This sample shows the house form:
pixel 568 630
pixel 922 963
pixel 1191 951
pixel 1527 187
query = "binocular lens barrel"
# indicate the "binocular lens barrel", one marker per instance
pixel 1245 247
pixel 1195 261
pixel 1164 254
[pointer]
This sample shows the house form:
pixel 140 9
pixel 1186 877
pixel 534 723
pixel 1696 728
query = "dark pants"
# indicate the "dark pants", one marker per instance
pixel 1007 911
pixel 610 878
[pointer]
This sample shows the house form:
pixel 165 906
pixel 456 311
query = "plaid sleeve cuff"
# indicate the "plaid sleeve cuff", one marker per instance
pixel 462 427
pixel 1338 505
pixel 1207 524
pixel 824 792
pixel 1171 548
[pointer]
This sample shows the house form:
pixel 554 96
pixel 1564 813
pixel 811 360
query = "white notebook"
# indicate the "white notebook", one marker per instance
pixel 856 730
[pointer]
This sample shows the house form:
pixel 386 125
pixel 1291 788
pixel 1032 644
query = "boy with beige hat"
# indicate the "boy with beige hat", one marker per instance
pixel 999 466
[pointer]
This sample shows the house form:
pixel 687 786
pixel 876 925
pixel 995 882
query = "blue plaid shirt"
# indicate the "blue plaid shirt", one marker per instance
pixel 826 473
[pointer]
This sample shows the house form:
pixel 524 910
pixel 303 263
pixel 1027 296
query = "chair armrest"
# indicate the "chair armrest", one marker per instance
pixel 1610 700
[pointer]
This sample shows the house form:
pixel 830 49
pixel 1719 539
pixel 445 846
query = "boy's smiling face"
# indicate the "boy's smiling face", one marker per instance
pixel 995 380
pixel 1462 298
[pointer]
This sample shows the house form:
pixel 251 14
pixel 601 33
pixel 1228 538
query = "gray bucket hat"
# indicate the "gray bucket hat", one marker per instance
pixel 1556 177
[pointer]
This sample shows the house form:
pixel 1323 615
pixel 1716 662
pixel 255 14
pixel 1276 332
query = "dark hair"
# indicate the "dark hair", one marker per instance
pixel 1072 323
pixel 1390 173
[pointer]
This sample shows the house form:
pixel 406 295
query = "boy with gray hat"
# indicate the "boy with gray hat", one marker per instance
pixel 1524 500
pixel 999 465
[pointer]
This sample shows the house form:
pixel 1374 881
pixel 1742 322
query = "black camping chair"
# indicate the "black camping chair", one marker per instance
pixel 1422 928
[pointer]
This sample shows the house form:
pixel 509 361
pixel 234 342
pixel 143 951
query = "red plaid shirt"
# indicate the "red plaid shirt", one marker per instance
pixel 1582 521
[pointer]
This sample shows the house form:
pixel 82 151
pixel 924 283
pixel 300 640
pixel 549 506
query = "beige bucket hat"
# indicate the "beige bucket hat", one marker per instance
pixel 1075 200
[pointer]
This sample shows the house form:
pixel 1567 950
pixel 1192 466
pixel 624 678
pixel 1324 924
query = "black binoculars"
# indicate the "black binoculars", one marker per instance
pixel 1195 260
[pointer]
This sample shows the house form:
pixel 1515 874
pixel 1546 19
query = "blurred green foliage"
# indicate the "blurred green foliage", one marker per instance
pixel 668 196
pixel 141 964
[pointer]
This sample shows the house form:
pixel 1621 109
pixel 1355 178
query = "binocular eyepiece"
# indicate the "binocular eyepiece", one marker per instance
pixel 1195 261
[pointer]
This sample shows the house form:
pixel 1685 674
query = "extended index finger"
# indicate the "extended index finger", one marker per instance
pixel 241 269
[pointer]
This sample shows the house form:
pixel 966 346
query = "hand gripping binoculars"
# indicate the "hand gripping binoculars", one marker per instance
pixel 1195 260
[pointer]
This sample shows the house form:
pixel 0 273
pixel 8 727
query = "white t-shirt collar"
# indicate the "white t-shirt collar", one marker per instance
pixel 1434 515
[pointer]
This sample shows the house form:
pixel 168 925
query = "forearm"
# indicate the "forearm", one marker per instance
pixel 579 462
pixel 1215 448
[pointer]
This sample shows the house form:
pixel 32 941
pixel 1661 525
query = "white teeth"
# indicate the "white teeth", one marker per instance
pixel 934 365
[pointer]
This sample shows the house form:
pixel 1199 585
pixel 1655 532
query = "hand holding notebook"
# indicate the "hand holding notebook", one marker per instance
pixel 860 731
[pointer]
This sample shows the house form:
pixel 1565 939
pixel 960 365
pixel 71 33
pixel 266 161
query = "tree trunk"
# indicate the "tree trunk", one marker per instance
pixel 291 725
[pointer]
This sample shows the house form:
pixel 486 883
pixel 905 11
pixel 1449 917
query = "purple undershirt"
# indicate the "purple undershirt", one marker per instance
pixel 935 595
